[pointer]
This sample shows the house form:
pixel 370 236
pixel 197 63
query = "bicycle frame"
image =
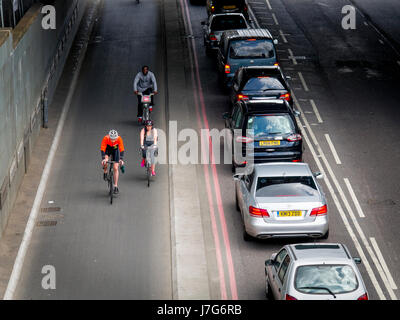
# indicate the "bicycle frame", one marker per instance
pixel 146 105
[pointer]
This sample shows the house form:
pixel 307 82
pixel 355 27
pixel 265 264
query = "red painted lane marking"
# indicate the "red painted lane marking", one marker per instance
pixel 208 185
pixel 214 170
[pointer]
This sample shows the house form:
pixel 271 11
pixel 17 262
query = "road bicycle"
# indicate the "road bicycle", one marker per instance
pixel 146 105
pixel 110 179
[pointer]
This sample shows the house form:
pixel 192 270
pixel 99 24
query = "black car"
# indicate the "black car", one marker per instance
pixel 266 130
pixel 260 83
pixel 227 6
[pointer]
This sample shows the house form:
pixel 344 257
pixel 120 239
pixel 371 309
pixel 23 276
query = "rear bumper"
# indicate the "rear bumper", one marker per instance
pixel 258 228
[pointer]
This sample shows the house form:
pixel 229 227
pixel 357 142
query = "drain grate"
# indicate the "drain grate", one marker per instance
pixel 46 223
pixel 51 209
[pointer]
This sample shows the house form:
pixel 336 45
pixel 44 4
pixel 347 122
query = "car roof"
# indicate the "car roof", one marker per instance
pixel 248 33
pixel 270 106
pixel 320 252
pixel 279 169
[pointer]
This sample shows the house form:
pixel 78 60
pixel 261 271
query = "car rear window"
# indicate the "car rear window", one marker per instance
pixel 337 278
pixel 228 22
pixel 296 186
pixel 251 49
pixel 267 125
pixel 263 84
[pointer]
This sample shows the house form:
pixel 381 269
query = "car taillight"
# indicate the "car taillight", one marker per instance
pixel 241 139
pixel 321 211
pixel 257 212
pixel 276 64
pixel 285 96
pixel 363 297
pixel 242 97
pixel 288 297
pixel 213 37
pixel 212 8
pixel 294 137
pixel 296 160
pixel 245 8
pixel 227 68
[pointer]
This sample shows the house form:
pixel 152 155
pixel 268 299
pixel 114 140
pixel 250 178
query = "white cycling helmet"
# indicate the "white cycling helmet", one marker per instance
pixel 113 134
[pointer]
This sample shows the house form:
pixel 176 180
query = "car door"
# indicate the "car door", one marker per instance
pixel 245 188
pixel 282 275
pixel 273 271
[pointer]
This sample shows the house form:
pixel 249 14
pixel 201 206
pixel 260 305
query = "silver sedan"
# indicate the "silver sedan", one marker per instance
pixel 281 200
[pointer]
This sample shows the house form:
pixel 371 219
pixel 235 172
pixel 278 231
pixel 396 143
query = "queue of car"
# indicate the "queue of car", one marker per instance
pixel 280 196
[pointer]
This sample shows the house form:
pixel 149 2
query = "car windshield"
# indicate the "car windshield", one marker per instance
pixel 267 125
pixel 252 49
pixel 336 278
pixel 263 84
pixel 296 186
pixel 228 22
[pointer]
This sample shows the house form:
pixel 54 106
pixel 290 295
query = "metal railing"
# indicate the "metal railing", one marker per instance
pixel 12 11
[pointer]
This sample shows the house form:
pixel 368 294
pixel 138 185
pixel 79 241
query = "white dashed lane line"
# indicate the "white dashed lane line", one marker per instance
pixel 283 36
pixel 269 5
pixel 354 198
pixel 303 82
pixel 333 150
pixel 292 57
pixel 313 105
pixel 275 19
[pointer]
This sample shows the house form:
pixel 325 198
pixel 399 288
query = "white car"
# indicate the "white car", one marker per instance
pixel 281 199
pixel 314 271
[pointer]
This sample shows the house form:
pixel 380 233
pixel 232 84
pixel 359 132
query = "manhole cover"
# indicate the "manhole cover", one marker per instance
pixel 46 223
pixel 51 209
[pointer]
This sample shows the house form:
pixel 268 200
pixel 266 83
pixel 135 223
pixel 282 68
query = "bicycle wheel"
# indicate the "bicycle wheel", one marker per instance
pixel 111 186
pixel 146 115
pixel 148 174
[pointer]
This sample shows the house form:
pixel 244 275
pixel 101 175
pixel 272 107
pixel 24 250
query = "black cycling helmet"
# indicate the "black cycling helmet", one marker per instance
pixel 149 123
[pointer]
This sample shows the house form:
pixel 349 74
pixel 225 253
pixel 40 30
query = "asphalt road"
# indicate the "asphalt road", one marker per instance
pixel 124 250
pixel 103 251
pixel 351 78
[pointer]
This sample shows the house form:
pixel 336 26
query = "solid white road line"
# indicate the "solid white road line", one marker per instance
pixel 336 200
pixel 269 5
pixel 348 207
pixel 19 261
pixel 353 196
pixel 383 263
pixel 333 150
pixel 303 82
pixel 254 19
pixel 283 37
pixel 313 105
pixel 275 19
pixel 292 57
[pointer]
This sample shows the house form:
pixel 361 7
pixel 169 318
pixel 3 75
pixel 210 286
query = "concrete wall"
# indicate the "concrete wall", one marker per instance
pixel 31 63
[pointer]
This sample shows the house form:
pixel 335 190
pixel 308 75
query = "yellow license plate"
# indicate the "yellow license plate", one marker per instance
pixel 295 213
pixel 229 7
pixel 270 143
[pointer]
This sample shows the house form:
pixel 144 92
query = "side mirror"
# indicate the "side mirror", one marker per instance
pixel 237 177
pixel 268 262
pixel 297 113
pixel 226 116
pixel 288 78
pixel 203 23
pixel 275 41
pixel 318 175
pixel 357 260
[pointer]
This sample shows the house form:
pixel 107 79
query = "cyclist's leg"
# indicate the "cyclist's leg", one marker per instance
pixel 116 166
pixel 139 106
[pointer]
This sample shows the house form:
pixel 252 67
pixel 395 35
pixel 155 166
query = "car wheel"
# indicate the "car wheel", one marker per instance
pixel 246 236
pixel 326 235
